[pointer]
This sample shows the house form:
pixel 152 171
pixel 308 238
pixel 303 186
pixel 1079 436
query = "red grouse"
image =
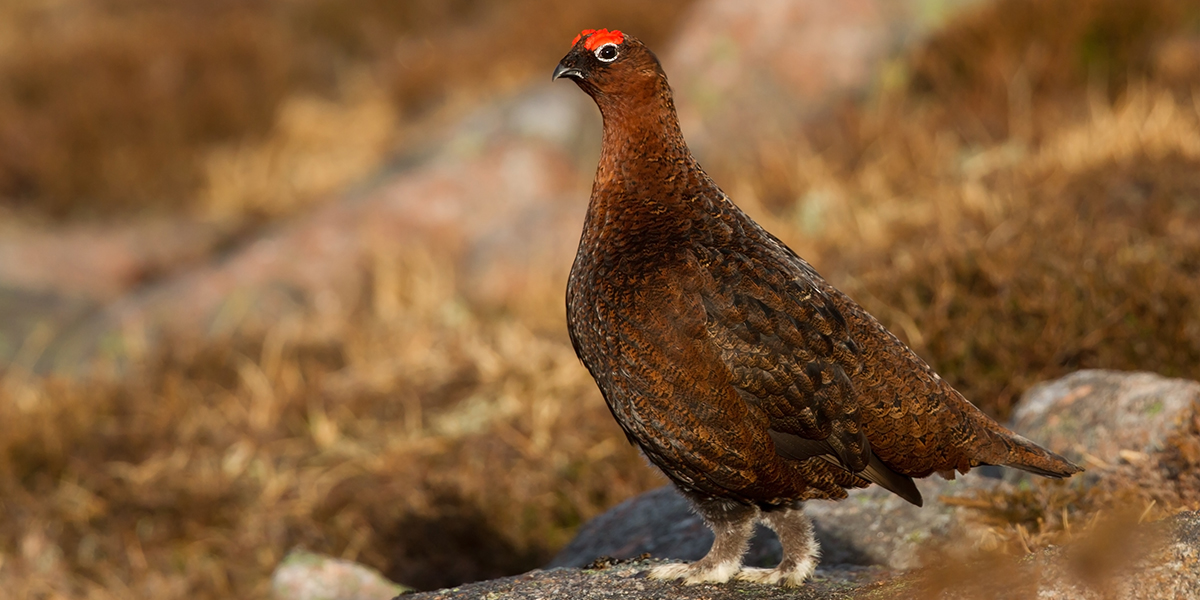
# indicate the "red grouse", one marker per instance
pixel 748 379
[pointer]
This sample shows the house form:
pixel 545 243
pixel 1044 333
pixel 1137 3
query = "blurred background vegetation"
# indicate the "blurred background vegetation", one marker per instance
pixel 115 106
pixel 1017 196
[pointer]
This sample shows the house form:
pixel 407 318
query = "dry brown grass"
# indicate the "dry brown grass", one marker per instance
pixel 112 106
pixel 442 445
pixel 401 435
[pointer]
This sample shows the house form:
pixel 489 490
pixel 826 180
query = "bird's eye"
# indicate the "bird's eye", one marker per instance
pixel 607 52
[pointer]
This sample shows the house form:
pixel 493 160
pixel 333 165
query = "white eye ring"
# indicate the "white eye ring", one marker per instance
pixel 616 53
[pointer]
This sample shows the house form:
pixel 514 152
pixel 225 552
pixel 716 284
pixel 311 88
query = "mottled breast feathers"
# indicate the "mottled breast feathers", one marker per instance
pixel 730 349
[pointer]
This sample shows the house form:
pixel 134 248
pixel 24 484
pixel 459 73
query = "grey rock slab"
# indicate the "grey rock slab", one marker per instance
pixel 871 527
pixel 1173 571
pixel 661 523
pixel 308 576
pixel 1099 417
pixel 1096 416
pixel 875 527
pixel 628 580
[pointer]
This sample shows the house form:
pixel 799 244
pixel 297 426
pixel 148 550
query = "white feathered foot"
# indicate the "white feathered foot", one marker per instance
pixel 800 549
pixel 732 524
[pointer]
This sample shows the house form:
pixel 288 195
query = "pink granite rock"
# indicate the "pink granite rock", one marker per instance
pixel 308 576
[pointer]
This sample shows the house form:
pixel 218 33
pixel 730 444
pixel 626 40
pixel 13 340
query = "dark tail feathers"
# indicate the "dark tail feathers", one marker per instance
pixel 1025 455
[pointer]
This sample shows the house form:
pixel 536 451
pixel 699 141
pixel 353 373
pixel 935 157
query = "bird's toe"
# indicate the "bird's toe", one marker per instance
pixel 693 573
pixel 786 575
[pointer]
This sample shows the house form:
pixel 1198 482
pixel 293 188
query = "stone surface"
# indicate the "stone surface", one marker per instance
pixel 875 527
pixel 499 198
pixel 54 277
pixel 1172 571
pixel 1089 416
pixel 661 523
pixel 307 576
pixel 1098 418
pixel 769 65
pixel 499 202
pixel 871 527
pixel 100 261
pixel 1152 562
pixel 510 200
pixel 628 580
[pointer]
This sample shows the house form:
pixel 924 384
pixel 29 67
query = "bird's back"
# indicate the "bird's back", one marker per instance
pixel 914 420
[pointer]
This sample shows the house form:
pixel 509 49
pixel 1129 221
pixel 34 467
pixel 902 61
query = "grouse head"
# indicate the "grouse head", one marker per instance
pixel 613 68
pixel 629 86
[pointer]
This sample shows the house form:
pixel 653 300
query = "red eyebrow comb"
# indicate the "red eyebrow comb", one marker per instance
pixel 598 37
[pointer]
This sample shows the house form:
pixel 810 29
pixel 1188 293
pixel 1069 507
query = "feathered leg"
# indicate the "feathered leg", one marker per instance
pixel 732 523
pixel 800 549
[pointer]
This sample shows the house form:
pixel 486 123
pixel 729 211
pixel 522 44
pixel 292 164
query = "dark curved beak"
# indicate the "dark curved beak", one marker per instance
pixel 563 70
